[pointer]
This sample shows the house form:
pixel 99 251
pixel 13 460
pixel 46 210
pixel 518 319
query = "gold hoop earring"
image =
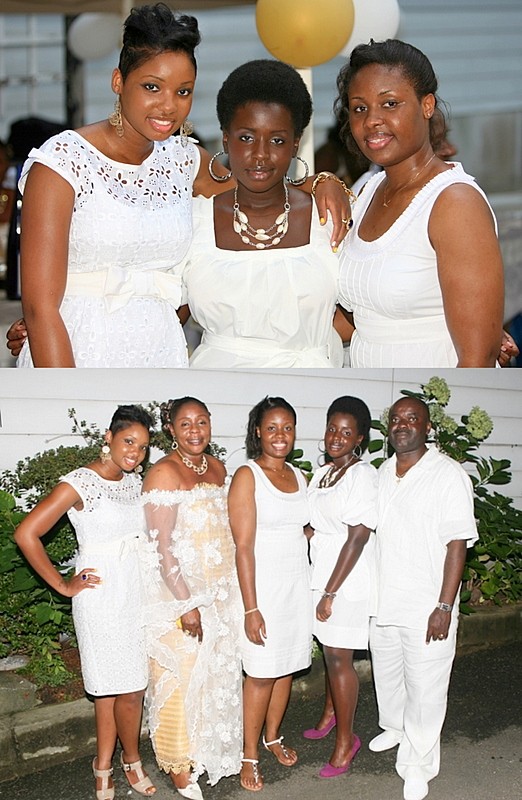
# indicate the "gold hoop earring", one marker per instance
pixel 298 181
pixel 174 445
pixel 218 178
pixel 115 119
pixel 186 129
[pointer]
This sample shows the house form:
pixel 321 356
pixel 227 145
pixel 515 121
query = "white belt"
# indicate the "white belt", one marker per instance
pixel 405 331
pixel 120 548
pixel 117 286
pixel 262 347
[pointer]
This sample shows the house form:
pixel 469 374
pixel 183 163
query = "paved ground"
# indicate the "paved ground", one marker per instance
pixel 481 750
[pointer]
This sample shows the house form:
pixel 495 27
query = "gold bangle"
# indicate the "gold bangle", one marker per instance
pixel 251 611
pixel 329 176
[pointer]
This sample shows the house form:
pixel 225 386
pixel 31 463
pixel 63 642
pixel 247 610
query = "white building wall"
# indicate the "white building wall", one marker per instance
pixel 33 405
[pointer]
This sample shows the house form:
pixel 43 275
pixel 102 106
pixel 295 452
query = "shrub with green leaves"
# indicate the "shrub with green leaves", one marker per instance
pixel 493 571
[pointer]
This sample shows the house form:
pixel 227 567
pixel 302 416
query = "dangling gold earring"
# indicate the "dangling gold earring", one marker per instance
pixel 174 445
pixel 185 131
pixel 115 119
pixel 105 453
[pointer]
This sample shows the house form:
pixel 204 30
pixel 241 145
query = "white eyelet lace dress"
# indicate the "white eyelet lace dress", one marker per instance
pixel 130 225
pixel 108 619
pixel 193 700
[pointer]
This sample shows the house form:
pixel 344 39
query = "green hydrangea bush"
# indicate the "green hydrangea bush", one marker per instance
pixel 494 565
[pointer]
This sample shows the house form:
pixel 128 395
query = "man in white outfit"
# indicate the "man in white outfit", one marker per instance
pixel 426 520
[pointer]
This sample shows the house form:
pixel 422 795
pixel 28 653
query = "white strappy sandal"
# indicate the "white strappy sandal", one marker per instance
pixel 255 772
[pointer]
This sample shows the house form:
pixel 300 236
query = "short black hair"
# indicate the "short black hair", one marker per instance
pixel 255 418
pixel 125 416
pixel 265 81
pixel 356 408
pixel 154 29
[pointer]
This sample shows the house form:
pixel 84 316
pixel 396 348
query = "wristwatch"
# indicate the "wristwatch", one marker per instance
pixel 444 607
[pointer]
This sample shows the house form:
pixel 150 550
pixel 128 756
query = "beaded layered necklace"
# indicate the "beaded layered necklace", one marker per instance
pixel 334 473
pixel 386 202
pixel 261 238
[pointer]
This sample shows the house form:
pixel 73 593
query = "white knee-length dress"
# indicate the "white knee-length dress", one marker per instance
pixel 350 501
pixel 108 619
pixel 282 575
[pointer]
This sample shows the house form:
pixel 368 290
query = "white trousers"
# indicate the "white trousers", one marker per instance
pixel 411 683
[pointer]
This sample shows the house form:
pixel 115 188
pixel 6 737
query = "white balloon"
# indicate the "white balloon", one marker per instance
pixel 92 36
pixel 373 19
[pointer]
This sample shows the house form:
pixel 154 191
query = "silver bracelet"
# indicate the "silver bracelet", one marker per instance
pixel 329 594
pixel 444 607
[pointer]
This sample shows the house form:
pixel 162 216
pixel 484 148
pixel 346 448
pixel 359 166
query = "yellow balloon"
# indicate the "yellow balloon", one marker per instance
pixel 304 33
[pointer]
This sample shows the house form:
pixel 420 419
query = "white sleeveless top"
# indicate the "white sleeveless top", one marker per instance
pixel 392 284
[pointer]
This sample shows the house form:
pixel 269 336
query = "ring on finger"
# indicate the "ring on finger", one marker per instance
pixel 84 577
pixel 441 636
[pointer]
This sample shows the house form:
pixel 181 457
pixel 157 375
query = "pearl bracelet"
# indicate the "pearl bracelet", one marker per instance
pixel 329 176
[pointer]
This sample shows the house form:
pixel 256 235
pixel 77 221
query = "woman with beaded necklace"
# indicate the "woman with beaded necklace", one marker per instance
pixel 192 611
pixel 343 513
pixel 260 277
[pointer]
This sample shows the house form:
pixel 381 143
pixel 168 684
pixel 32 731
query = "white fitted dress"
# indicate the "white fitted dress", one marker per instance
pixel 392 286
pixel 109 618
pixel 262 308
pixel 130 225
pixel 350 501
pixel 282 575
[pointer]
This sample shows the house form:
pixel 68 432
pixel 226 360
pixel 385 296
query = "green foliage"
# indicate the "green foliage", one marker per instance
pixel 33 615
pixel 494 565
pixel 295 457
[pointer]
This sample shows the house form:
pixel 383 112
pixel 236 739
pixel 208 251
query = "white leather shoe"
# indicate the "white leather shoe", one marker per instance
pixel 191 791
pixel 384 741
pixel 415 789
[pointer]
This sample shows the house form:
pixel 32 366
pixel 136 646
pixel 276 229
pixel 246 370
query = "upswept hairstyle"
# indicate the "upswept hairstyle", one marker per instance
pixel 154 29
pixel 255 418
pixel 415 66
pixel 125 416
pixel 265 81
pixel 358 410
pixel 169 410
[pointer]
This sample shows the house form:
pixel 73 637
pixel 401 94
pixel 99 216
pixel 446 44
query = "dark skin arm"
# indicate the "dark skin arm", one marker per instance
pixel 439 621
pixel 350 553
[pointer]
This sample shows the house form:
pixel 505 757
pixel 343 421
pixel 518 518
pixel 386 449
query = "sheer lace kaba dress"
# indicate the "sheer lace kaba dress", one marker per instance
pixel 194 694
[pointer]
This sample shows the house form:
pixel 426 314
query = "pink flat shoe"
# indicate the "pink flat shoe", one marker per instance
pixel 320 733
pixel 329 771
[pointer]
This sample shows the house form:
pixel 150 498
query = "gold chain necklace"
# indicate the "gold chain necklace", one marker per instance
pixel 198 469
pixel 263 237
pixel 386 202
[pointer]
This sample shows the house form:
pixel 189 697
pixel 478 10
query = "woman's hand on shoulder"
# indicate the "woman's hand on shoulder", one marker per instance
pixel 333 197
pixel 16 336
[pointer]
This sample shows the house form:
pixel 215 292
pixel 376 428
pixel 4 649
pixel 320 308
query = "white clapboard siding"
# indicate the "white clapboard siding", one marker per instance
pixel 33 406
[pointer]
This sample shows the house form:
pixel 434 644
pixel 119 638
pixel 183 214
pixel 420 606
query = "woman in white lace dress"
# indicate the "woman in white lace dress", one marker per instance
pixel 193 608
pixel 268 511
pixel 102 501
pixel 107 213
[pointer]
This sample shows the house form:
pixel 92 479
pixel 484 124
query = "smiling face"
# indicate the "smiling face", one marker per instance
pixel 341 436
pixel 408 425
pixel 156 97
pixel 387 120
pixel 128 446
pixel 260 143
pixel 191 429
pixel 276 433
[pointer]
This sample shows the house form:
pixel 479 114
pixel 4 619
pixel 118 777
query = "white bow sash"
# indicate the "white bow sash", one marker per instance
pixel 117 286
